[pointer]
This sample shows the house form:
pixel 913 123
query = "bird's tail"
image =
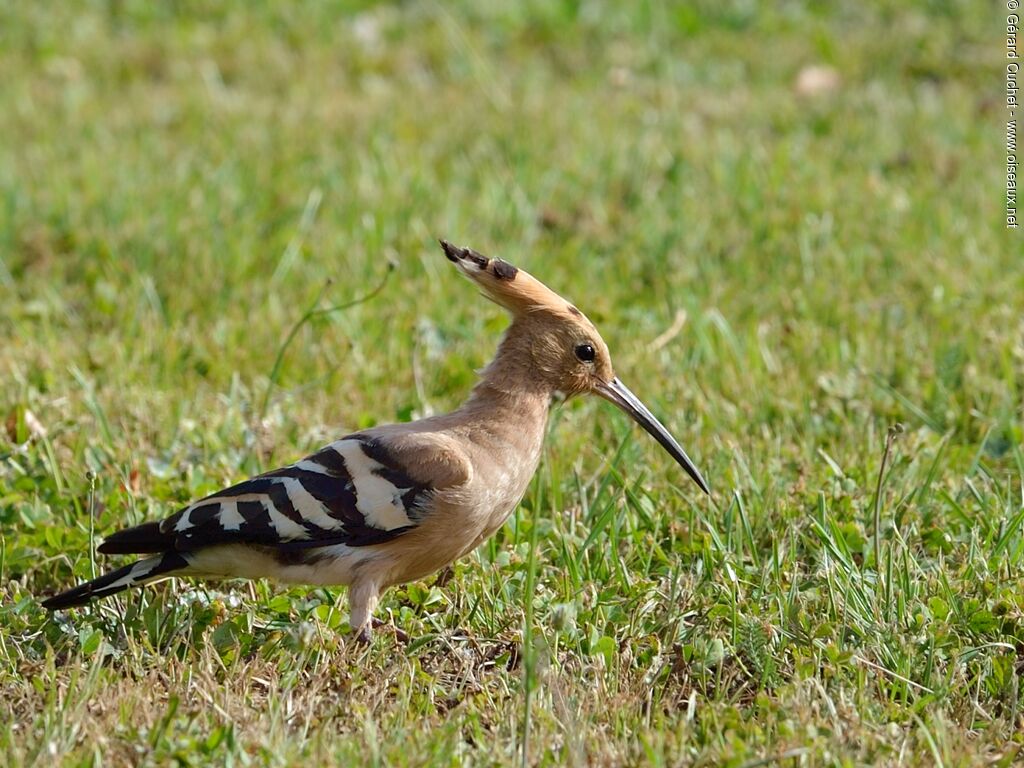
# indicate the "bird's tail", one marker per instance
pixel 139 572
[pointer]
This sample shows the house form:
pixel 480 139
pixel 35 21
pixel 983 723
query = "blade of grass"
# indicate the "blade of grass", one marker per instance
pixel 313 311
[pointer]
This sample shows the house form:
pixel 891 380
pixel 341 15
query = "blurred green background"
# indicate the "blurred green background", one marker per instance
pixel 786 220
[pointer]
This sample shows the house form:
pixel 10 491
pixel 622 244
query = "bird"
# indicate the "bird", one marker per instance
pixel 395 503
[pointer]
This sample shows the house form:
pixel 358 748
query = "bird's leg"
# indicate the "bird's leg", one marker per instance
pixel 445 574
pixel 362 600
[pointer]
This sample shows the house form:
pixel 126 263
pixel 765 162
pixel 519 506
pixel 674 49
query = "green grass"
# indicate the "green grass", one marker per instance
pixel 179 184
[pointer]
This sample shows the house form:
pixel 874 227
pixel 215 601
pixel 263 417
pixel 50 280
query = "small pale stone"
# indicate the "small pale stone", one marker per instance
pixel 816 80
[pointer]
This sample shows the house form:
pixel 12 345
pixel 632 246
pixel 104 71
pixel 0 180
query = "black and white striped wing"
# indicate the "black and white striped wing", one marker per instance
pixel 351 492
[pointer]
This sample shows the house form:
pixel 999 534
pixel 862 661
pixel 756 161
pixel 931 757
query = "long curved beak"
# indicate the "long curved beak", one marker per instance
pixel 617 392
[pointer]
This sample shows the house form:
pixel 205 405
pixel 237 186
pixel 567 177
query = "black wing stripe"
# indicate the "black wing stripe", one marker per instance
pixel 333 491
pixel 416 495
pixel 254 513
pixel 282 502
pixel 412 499
pixel 330 460
pixel 203 514
pixel 318 501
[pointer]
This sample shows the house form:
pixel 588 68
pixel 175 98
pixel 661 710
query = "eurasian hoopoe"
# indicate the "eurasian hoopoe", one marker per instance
pixel 395 503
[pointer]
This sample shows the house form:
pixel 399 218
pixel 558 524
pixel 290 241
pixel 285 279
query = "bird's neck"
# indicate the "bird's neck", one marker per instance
pixel 514 372
pixel 511 388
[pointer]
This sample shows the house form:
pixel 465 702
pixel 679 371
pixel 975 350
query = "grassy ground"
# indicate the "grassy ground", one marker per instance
pixel 782 275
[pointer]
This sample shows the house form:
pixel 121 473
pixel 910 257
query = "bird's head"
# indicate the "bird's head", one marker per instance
pixel 558 344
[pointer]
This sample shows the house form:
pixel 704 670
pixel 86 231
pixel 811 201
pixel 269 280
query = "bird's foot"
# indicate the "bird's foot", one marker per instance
pixel 444 576
pixel 400 636
pixel 364 635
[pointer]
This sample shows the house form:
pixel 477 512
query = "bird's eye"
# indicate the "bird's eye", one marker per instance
pixel 585 352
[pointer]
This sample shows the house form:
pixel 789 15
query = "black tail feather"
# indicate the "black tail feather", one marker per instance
pixel 139 572
pixel 140 540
